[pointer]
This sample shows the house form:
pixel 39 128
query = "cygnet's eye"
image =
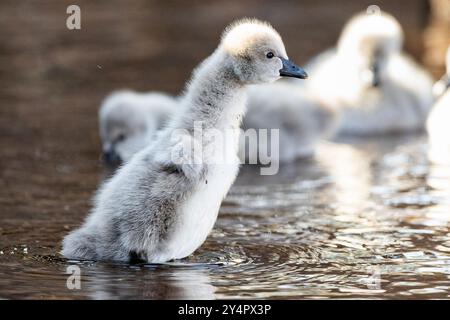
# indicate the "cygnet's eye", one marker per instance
pixel 270 55
pixel 120 138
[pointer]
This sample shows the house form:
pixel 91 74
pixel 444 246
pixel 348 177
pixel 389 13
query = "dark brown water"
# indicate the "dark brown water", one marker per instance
pixel 367 219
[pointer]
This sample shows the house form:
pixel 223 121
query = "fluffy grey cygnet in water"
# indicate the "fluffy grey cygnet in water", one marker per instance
pixel 438 122
pixel 376 88
pixel 162 204
pixel 128 122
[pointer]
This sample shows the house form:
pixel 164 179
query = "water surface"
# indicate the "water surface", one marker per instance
pixel 364 219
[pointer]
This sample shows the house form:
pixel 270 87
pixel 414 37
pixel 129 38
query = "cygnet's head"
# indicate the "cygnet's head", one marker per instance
pixel 257 52
pixel 367 42
pixel 444 83
pixel 127 121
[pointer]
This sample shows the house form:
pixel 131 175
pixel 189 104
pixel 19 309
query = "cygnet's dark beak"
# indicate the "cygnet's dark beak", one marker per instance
pixel 376 79
pixel 110 157
pixel 290 69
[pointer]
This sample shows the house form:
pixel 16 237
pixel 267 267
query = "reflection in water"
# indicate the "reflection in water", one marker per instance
pixel 349 169
pixel 362 219
pixel 150 282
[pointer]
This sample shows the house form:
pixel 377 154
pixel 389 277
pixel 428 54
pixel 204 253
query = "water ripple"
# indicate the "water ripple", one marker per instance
pixel 359 221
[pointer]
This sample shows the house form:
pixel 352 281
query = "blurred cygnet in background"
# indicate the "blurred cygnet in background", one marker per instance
pixel 438 124
pixel 129 120
pixel 377 88
pixel 301 121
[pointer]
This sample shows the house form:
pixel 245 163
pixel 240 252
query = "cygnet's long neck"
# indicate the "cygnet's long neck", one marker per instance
pixel 215 96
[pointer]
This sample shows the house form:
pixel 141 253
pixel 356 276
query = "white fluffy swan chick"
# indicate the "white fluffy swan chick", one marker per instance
pixel 302 121
pixel 162 204
pixel 376 87
pixel 438 122
pixel 128 121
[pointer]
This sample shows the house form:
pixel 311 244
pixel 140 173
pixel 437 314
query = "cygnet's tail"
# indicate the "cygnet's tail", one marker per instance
pixel 79 245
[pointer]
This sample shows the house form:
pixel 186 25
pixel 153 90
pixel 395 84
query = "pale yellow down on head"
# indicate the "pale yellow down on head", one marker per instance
pixel 247 34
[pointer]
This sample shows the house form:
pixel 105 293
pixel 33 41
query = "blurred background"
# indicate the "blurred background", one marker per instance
pixel 52 79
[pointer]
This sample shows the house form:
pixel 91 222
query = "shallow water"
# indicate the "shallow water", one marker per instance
pixel 364 219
